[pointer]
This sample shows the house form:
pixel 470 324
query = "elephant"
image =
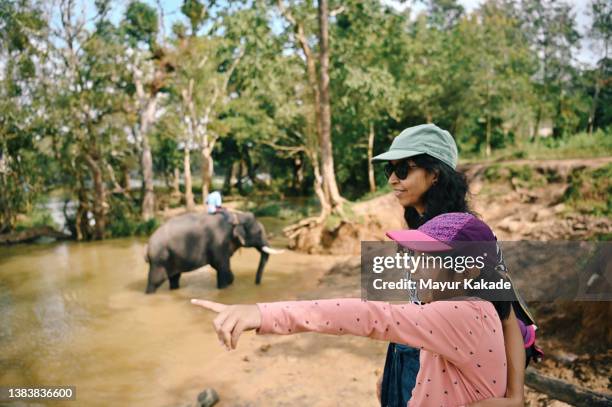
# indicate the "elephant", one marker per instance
pixel 193 240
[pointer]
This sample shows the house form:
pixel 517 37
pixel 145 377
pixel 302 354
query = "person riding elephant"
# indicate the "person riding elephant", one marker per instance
pixel 190 241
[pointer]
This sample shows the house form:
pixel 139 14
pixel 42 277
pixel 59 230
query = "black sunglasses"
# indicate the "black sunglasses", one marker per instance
pixel 401 169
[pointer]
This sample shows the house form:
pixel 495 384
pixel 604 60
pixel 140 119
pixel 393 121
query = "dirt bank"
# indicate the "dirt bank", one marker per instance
pixel 520 200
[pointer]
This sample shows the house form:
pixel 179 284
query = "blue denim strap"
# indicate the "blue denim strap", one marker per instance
pixel 399 375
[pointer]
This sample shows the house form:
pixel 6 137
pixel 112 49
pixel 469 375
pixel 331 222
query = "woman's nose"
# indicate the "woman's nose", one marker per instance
pixel 393 179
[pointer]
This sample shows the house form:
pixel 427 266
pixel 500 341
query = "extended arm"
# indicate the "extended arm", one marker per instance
pixel 432 327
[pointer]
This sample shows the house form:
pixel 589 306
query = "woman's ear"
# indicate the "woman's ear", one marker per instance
pixel 435 176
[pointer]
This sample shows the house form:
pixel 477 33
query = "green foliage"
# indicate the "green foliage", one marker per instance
pixel 590 191
pixel 520 175
pixel 580 145
pixel 38 217
pixel 284 209
pixel 140 23
pixel 22 165
pixel 195 11
pixel 232 79
pixel 124 220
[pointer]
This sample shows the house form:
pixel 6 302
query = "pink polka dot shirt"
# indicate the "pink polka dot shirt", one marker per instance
pixel 463 358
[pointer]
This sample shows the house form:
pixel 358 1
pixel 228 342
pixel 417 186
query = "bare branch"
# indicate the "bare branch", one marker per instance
pixel 337 11
pixel 291 149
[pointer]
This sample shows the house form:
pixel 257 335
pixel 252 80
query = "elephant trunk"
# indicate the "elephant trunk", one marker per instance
pixel 262 263
pixel 157 276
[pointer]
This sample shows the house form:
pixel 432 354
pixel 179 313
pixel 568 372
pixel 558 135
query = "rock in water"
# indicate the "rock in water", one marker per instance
pixel 207 398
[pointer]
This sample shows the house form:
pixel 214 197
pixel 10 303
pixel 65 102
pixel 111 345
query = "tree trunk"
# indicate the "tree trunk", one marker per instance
pixel 81 224
pixel 227 181
pixel 536 127
pixel 250 168
pixel 315 86
pixel 176 182
pixel 6 220
pixel 564 391
pixel 326 208
pixel 488 137
pixel 371 179
pixel 125 179
pixel 559 123
pixel 598 83
pixel 325 143
pixel 240 176
pixel 189 203
pixel 298 173
pixel 595 99
pixel 100 207
pixel 207 172
pixel 148 199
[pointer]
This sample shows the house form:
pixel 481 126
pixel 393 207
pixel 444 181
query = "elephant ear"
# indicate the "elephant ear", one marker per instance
pixel 244 222
pixel 240 233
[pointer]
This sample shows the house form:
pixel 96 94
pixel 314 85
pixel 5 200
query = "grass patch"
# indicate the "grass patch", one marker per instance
pixel 520 175
pixel 580 145
pixel 290 209
pixel 39 217
pixel 124 220
pixel 590 191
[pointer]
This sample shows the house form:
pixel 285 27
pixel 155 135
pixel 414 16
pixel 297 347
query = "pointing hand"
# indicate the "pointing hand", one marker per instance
pixel 231 320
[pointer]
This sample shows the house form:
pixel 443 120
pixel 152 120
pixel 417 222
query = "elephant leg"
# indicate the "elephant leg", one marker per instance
pixel 225 276
pixel 174 281
pixel 157 276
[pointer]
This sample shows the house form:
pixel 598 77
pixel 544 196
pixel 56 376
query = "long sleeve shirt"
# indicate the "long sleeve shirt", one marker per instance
pixel 463 358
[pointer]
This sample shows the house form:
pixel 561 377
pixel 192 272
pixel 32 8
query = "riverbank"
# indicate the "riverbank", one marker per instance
pixel 521 200
pixel 322 370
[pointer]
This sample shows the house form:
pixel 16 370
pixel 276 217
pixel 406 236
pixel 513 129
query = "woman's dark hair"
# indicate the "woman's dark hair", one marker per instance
pixel 501 305
pixel 448 194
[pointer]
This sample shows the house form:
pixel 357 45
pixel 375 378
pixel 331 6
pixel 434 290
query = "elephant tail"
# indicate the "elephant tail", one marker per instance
pixel 146 253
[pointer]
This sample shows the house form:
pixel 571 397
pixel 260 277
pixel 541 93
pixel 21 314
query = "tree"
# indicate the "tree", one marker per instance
pixel 22 167
pixel 601 33
pixel 81 81
pixel 204 67
pixel 149 69
pixel 367 94
pixel 325 179
pixel 500 64
pixel 551 27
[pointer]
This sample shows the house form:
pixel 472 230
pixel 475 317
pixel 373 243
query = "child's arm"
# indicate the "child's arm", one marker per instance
pixel 432 326
pixel 515 354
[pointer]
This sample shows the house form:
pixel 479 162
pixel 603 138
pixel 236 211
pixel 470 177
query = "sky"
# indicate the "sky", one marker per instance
pixel 172 13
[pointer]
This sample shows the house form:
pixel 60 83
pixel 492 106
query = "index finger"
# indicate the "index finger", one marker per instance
pixel 211 305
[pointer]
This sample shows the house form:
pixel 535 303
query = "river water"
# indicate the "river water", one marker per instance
pixel 76 314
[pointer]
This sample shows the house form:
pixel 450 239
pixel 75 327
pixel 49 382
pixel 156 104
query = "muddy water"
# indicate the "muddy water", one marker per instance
pixel 76 314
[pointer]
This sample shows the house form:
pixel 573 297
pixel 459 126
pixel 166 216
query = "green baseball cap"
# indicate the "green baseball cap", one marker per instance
pixel 423 139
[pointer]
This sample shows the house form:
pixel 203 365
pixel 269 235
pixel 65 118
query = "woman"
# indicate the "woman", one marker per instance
pixel 421 169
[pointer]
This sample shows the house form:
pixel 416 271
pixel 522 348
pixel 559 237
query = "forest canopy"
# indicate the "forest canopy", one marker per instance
pixel 276 97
